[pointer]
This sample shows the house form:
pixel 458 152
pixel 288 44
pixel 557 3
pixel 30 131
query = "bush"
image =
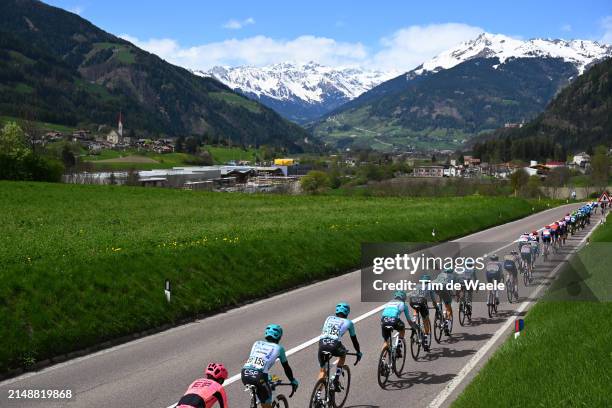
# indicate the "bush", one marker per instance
pixel 315 182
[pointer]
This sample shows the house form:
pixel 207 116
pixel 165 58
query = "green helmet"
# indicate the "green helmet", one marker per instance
pixel 400 295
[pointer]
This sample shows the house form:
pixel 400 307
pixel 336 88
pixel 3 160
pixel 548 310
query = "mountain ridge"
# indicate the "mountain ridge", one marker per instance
pixel 299 91
pixel 66 70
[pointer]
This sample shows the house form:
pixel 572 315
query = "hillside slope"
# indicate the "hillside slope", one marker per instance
pixel 578 118
pixel 473 88
pixel 60 68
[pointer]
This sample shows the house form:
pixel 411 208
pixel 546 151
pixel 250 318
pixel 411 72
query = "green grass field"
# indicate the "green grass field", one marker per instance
pixel 42 125
pixel 84 264
pixel 564 356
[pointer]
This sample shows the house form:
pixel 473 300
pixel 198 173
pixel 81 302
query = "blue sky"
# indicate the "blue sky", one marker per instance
pixel 202 33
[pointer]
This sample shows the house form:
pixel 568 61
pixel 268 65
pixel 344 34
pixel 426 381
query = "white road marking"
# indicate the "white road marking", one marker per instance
pixel 314 340
pixel 450 387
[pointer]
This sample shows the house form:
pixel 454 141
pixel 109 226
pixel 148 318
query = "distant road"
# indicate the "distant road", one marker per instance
pixel 154 371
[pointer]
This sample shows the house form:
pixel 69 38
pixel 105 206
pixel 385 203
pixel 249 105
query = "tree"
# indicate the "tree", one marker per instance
pixel 12 140
pixel 600 167
pixel 68 157
pixel 179 147
pixel 315 182
pixel 518 180
pixel 557 177
pixel 191 145
pixel 532 189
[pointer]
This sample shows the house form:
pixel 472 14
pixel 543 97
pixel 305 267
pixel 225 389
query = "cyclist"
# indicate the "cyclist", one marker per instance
pixel 331 340
pixel 526 255
pixel 418 302
pixel 446 297
pixel 468 275
pixel 262 358
pixel 206 392
pixel 494 272
pixel 546 238
pixel 536 236
pixel 562 231
pixel 535 249
pixel 391 319
pixel 511 268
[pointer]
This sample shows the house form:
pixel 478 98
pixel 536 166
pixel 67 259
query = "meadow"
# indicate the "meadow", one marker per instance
pixel 84 264
pixel 563 357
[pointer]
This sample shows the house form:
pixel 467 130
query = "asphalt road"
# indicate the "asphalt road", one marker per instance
pixel 154 371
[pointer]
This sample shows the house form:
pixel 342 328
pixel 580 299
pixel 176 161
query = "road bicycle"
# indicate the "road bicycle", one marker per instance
pixel 511 289
pixel 389 361
pixel 465 308
pixel 491 304
pixel 324 394
pixel 545 251
pixel 441 324
pixel 418 338
pixel 279 401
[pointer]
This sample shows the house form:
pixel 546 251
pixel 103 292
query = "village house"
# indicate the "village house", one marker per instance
pixel 428 171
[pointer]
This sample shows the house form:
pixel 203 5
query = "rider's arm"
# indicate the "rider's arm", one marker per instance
pixel 221 398
pixel 351 330
pixel 283 359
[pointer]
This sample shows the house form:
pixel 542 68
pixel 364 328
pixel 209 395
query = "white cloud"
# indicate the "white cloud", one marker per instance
pixel 403 50
pixel 258 50
pixel 77 10
pixel 566 27
pixel 238 24
pixel 606 24
pixel 409 47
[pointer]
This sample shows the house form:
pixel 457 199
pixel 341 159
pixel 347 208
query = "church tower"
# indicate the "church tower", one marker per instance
pixel 120 127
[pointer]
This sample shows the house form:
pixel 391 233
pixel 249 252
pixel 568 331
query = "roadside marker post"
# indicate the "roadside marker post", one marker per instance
pixel 519 325
pixel 167 290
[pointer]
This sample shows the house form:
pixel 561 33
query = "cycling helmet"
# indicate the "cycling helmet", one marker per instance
pixel 448 270
pixel 494 257
pixel 425 277
pixel 400 295
pixel 216 371
pixel 513 253
pixel 535 232
pixel 274 331
pixel 469 263
pixel 343 308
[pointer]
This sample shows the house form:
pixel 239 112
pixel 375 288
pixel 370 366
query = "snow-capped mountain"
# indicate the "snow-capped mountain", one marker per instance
pixel 475 87
pixel 580 53
pixel 301 92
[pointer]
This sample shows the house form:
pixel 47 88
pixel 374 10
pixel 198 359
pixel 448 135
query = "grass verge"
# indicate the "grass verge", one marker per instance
pixel 564 356
pixel 84 264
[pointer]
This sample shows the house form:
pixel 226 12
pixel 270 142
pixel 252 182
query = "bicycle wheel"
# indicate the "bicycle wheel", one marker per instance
pixel 438 327
pixel 490 304
pixel 526 277
pixel 384 367
pixel 509 290
pixel 415 345
pixel 468 311
pixel 280 402
pixel 319 393
pixel 400 362
pixel 450 324
pixel 462 313
pixel 338 399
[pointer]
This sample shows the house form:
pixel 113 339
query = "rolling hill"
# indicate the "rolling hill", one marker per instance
pixel 466 91
pixel 57 67
pixel 578 118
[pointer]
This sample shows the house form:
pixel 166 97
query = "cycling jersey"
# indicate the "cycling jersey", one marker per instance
pixel 510 264
pixel 203 393
pixel 263 356
pixel 335 327
pixel 494 269
pixel 394 309
pixel 546 235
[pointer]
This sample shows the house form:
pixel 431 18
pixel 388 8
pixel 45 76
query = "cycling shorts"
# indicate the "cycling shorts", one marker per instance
pixel 260 381
pixel 388 324
pixel 526 257
pixel 493 276
pixel 419 303
pixel 335 347
pixel 546 240
pixel 445 296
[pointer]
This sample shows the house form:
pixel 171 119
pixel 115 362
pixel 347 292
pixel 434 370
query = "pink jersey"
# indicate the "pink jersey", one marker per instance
pixel 203 393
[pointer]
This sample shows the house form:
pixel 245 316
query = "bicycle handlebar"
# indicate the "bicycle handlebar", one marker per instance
pixel 279 383
pixel 356 355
